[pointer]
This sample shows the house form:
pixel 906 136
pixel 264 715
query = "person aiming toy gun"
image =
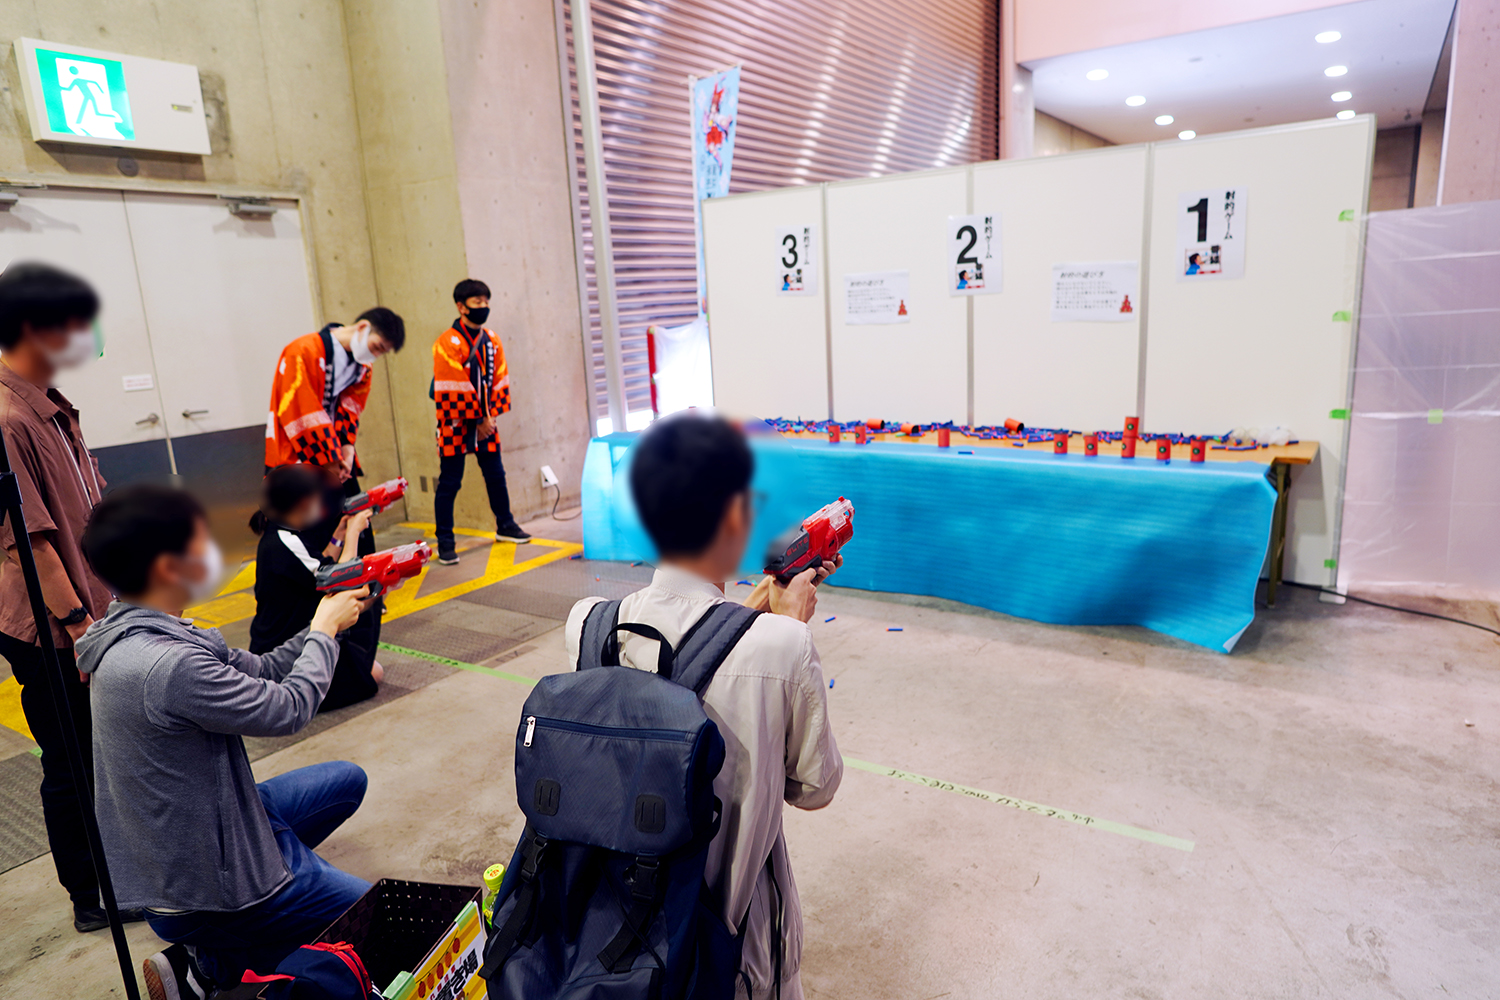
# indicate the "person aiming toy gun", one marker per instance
pixel 380 571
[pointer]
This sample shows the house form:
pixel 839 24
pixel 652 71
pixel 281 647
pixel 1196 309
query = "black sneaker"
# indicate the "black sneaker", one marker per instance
pixel 87 919
pixel 169 975
pixel 449 558
pixel 511 533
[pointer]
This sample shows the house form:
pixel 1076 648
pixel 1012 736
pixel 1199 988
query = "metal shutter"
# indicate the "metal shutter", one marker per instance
pixel 829 91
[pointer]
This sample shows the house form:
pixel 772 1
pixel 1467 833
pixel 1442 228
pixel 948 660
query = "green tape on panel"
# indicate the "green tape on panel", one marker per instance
pixel 1347 215
pixel 1338 414
pixel 1150 836
pixel 1434 416
pixel 1343 316
pixel 1330 563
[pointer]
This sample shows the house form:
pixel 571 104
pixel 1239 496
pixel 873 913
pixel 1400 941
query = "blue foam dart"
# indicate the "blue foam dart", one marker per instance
pixel 1071 543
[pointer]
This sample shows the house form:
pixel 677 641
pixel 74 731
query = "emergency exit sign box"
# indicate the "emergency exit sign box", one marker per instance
pixel 95 98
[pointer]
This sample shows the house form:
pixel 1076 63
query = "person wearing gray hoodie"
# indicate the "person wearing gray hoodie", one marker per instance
pixel 224 866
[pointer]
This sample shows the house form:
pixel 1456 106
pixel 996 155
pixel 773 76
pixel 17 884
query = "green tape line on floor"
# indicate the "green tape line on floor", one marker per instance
pixel 1110 826
pixel 1151 837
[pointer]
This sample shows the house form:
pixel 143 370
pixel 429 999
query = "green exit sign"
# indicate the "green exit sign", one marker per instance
pixel 85 96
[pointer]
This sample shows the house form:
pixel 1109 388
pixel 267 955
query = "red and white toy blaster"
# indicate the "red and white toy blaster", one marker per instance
pixel 381 571
pixel 812 543
pixel 376 498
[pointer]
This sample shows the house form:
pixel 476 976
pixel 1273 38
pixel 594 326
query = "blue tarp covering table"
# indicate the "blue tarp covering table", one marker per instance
pixel 1174 546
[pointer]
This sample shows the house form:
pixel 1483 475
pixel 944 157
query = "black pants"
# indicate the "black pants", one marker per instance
pixel 451 477
pixel 64 816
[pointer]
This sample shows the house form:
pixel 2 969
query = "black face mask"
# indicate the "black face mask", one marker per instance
pixel 477 317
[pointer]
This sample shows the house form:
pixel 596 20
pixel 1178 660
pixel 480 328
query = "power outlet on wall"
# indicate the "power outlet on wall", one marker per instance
pixel 549 478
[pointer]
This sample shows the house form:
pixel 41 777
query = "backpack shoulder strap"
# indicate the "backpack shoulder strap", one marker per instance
pixel 597 644
pixel 708 642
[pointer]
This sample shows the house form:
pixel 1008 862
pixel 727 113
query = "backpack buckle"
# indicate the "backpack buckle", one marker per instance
pixel 643 883
pixel 531 857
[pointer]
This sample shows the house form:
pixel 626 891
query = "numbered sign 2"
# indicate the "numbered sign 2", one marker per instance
pixel 1211 234
pixel 973 254
pixel 796 261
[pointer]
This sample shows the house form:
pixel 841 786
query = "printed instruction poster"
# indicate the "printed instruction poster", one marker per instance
pixel 1095 291
pixel 796 265
pixel 877 297
pixel 973 254
pixel 1211 234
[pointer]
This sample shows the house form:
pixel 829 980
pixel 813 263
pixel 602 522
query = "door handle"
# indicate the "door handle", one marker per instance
pixel 151 421
pixel 190 414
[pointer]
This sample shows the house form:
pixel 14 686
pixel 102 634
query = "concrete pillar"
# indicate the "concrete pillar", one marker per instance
pixel 1471 135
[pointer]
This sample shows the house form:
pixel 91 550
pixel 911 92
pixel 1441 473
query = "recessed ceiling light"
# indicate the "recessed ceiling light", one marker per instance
pixel 1336 71
pixel 1135 101
pixel 1097 74
pixel 1346 114
pixel 1342 95
pixel 1187 134
pixel 1327 36
pixel 1164 119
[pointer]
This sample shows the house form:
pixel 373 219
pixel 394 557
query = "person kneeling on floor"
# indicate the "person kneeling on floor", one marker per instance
pixel 224 866
pixel 690 477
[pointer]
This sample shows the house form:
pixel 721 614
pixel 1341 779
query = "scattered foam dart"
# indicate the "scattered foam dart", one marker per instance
pixel 1091 445
pixel 1014 426
pixel 944 437
pixel 1164 449
pixel 1127 446
pixel 1197 450
pixel 861 434
pixel 1132 426
pixel 1060 443
pixel 835 433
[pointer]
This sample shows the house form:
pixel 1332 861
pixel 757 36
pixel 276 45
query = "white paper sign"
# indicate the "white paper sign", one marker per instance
pixel 1095 291
pixel 876 297
pixel 1211 234
pixel 796 264
pixel 973 254
pixel 138 383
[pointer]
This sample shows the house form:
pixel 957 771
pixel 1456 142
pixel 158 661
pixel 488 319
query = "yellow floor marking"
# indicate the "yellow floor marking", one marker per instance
pixel 11 716
pixel 223 610
pixel 243 580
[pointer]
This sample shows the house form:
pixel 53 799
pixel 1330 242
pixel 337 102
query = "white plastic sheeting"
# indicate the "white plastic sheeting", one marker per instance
pixel 1422 498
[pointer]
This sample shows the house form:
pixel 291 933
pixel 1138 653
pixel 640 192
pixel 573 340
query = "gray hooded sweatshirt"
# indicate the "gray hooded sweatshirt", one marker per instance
pixel 182 824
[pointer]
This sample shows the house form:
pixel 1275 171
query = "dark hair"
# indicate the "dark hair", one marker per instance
pixel 43 296
pixel 132 526
pixel 684 472
pixel 285 487
pixel 392 328
pixel 468 288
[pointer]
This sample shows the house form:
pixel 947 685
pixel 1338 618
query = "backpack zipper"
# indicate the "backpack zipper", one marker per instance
pixel 608 732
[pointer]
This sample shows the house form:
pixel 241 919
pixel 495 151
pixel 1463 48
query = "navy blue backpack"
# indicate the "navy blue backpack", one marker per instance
pixel 604 898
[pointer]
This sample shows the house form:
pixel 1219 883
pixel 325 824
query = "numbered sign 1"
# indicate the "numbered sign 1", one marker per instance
pixel 973 254
pixel 796 261
pixel 1211 234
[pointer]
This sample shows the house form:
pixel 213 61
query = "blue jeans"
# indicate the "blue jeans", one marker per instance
pixel 304 807
pixel 451 477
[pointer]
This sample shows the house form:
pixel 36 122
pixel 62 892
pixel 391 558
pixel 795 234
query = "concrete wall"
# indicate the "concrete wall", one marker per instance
pixel 1471 146
pixel 1053 136
pixel 1392 174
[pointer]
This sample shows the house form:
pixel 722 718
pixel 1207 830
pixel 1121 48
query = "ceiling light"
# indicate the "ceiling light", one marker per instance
pixel 1342 95
pixel 1097 74
pixel 1336 71
pixel 1327 36
pixel 1345 115
pixel 1164 119
pixel 1187 134
pixel 1135 101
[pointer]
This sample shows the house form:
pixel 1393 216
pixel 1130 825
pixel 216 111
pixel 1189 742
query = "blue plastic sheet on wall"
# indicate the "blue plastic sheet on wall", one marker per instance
pixel 1176 547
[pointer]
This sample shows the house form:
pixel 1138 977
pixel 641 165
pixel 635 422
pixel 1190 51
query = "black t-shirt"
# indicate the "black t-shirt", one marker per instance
pixel 286 593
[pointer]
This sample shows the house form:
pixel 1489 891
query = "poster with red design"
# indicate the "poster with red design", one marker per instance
pixel 1095 291
pixel 877 297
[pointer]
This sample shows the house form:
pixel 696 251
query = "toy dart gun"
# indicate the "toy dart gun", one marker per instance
pixel 382 571
pixel 376 498
pixel 812 543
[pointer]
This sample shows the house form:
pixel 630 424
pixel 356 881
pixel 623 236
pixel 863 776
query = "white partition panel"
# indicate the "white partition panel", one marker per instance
pixel 1087 207
pixel 769 351
pixel 1273 347
pixel 918 370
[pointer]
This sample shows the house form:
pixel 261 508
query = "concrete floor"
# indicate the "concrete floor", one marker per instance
pixel 1342 812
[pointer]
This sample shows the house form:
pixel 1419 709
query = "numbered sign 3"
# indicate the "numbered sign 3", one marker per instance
pixel 796 261
pixel 1211 234
pixel 973 254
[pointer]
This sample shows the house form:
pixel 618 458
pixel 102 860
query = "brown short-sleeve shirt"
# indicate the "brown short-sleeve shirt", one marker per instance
pixel 60 484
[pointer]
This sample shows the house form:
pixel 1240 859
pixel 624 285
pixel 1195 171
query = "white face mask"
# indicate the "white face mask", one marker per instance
pixel 81 350
pixel 360 348
pixel 213 565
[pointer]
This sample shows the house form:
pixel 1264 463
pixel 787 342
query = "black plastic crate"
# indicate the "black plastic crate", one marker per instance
pixel 396 923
